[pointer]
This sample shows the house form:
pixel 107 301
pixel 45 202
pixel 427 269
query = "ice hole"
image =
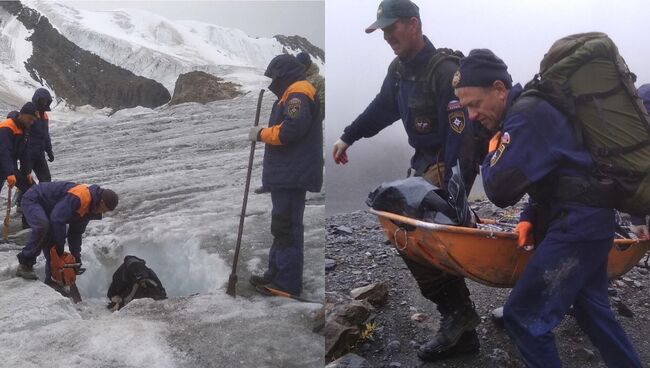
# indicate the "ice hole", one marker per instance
pixel 181 265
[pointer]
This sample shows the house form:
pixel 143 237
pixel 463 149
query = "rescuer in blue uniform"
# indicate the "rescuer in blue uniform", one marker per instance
pixel 535 151
pixel 293 165
pixel 57 211
pixel 13 140
pixel 417 89
pixel 39 143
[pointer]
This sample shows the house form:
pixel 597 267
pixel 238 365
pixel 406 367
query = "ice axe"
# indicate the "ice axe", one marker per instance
pixel 5 227
pixel 232 280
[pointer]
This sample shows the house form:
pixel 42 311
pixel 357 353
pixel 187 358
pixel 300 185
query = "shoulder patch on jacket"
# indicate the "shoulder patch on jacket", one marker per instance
pixel 505 140
pixel 454 105
pixel 293 107
pixel 457 121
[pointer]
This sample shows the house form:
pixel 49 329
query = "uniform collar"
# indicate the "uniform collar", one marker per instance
pixel 513 94
pixel 421 57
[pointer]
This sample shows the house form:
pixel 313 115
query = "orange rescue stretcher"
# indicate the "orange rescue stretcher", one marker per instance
pixel 488 257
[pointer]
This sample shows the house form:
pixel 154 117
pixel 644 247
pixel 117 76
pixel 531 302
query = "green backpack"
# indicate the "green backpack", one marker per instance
pixel 584 77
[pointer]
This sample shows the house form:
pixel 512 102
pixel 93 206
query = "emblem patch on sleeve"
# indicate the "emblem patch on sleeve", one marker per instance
pixel 423 125
pixel 454 105
pixel 457 121
pixel 293 107
pixel 505 140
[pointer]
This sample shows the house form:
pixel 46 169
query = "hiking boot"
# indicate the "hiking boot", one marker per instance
pixel 466 345
pixel 256 280
pixel 277 291
pixel 453 327
pixel 261 190
pixel 26 272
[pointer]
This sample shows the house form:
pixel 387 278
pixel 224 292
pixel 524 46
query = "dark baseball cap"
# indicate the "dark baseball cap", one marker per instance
pixel 390 11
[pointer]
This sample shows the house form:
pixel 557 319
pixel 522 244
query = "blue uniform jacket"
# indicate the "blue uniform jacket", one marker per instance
pixel 537 145
pixel 12 146
pixel 61 208
pixel 39 135
pixel 293 155
pixel 435 128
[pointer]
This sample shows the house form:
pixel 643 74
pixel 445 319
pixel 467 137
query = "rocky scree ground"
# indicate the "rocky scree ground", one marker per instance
pixel 357 255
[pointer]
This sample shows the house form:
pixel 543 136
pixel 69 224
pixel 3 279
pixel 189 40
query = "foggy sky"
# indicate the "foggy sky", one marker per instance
pixel 518 31
pixel 256 18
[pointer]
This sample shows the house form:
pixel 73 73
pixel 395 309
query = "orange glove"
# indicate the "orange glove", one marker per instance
pixel 11 181
pixel 525 231
pixel 494 142
pixel 30 180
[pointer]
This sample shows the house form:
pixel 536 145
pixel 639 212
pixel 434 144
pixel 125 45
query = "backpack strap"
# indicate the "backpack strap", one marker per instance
pixel 427 75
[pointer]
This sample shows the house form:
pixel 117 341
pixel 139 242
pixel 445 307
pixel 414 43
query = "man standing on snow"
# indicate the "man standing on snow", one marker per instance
pixel 313 76
pixel 39 142
pixel 13 132
pixel 293 165
pixel 417 90
pixel 58 211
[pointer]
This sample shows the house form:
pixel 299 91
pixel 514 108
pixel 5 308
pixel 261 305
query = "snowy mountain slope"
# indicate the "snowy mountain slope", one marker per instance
pixel 155 47
pixel 180 174
pixel 77 75
pixel 16 85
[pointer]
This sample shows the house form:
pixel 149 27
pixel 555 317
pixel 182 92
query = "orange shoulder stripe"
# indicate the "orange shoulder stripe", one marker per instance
pixel 303 87
pixel 271 135
pixel 82 192
pixel 9 123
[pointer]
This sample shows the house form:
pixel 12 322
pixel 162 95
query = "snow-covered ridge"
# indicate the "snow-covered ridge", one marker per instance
pixel 158 48
pixel 16 85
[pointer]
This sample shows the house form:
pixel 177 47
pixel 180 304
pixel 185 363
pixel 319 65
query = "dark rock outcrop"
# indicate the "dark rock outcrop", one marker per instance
pixel 302 44
pixel 202 87
pixel 79 76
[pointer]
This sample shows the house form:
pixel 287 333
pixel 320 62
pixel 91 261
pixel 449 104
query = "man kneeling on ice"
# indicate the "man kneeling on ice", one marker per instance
pixel 50 208
pixel 134 280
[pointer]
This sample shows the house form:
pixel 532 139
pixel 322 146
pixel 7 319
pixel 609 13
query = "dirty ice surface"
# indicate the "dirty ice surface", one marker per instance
pixel 180 173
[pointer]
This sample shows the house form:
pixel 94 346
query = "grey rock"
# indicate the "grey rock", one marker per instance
pixel 349 360
pixel 395 365
pixel 497 313
pixel 393 346
pixel 198 86
pixel 343 230
pixel 374 293
pixel 353 313
pixel 339 338
pixel 330 264
pixel 419 317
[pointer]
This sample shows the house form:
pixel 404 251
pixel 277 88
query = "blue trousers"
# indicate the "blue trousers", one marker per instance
pixel 39 222
pixel 39 239
pixel 562 273
pixel 286 254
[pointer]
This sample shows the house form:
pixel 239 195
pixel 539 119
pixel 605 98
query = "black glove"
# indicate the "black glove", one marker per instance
pixel 50 156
